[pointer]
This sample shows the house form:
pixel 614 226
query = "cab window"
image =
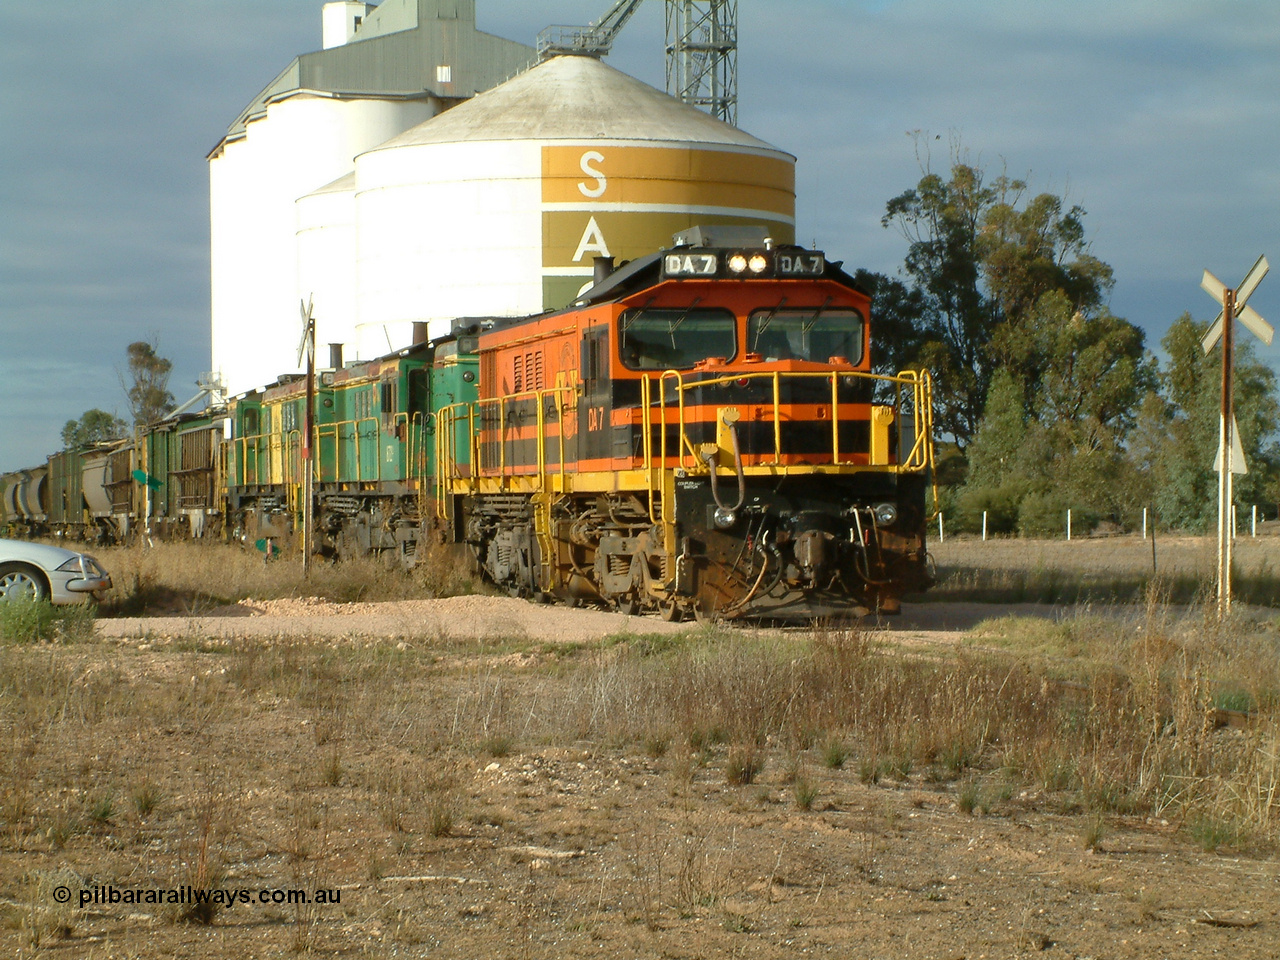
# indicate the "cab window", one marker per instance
pixel 815 334
pixel 662 339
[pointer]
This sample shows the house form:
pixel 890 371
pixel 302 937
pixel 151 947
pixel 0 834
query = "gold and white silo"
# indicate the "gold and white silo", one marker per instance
pixel 499 206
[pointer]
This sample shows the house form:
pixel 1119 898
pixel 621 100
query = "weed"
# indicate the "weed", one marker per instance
pixel 101 810
pixel 331 770
pixel 146 798
pixel 967 797
pixel 655 746
pixel 440 816
pixel 1094 832
pixel 497 745
pixel 61 829
pixel 1212 832
pixel 47 916
pixel 900 767
pixel 735 923
pixel 204 873
pixel 806 792
pixel 835 753
pixel 956 757
pixel 1148 905
pixel 30 621
pixel 704 739
pixel 743 764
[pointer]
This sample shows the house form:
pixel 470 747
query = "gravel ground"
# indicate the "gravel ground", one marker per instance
pixel 450 619
pixel 505 618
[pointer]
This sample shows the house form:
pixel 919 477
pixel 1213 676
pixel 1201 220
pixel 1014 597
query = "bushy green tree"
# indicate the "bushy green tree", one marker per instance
pixel 94 426
pixel 897 336
pixel 148 385
pixel 1058 409
pixel 1053 400
pixel 981 259
pixel 997 479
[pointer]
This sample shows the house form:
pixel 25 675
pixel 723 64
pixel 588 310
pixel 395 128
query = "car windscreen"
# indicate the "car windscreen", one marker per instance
pixel 817 334
pixel 666 339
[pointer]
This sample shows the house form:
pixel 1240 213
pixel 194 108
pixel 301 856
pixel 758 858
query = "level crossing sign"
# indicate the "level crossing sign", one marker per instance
pixel 1244 313
pixel 1230 459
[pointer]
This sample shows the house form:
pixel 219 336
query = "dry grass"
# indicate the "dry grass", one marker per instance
pixel 314 764
pixel 322 765
pixel 192 579
pixel 1101 569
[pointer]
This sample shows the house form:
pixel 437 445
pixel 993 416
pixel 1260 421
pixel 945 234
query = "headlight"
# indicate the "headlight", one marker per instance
pixel 758 264
pixel 886 514
pixel 82 564
pixel 737 263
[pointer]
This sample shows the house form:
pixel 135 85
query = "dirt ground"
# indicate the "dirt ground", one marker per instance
pixel 225 758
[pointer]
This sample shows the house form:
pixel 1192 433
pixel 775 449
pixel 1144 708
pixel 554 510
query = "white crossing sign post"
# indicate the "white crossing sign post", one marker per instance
pixel 307 345
pixel 1230 459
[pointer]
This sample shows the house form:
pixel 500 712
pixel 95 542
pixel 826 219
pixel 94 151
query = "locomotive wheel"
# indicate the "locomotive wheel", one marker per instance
pixel 629 605
pixel 671 611
pixel 703 616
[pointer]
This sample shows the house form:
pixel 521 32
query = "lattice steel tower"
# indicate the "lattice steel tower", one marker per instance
pixel 702 55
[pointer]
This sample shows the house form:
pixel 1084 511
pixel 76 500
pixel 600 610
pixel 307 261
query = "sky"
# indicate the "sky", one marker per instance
pixel 1160 117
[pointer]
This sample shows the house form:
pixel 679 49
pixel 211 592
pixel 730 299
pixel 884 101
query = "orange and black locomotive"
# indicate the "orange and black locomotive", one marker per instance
pixel 699 433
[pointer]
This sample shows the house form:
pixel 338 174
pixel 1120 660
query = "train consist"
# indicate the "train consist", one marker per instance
pixel 700 433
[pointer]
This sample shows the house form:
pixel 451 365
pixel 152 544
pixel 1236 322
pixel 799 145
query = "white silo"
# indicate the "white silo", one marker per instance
pixel 327 260
pixel 499 205
pixel 301 143
pixel 384 69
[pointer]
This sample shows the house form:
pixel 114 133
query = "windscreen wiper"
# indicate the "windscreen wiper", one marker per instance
pixel 764 324
pixel 807 325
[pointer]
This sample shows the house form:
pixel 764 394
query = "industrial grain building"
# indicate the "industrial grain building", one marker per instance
pixel 417 170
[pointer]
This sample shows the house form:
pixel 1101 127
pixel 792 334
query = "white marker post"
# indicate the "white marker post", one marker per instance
pixel 1230 458
pixel 984 526
pixel 942 537
pixel 307 346
pixel 1068 524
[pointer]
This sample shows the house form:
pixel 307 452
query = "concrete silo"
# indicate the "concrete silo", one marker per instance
pixel 499 205
pixel 383 70
pixel 326 243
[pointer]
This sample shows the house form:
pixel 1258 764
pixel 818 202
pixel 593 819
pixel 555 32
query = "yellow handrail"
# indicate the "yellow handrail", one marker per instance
pixel 449 417
pixel 912 403
pixel 919 457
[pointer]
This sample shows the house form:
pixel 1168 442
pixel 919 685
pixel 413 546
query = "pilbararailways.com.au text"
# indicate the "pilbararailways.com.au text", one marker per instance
pixel 188 895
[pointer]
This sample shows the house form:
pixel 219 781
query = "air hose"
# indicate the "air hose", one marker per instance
pixel 710 456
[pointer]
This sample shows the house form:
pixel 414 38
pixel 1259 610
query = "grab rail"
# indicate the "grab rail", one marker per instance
pixel 487 421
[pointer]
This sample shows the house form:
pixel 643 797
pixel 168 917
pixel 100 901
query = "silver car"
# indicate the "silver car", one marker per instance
pixel 38 571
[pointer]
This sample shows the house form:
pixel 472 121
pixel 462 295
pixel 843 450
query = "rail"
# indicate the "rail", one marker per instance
pixel 480 416
pixel 484 428
pixel 916 385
